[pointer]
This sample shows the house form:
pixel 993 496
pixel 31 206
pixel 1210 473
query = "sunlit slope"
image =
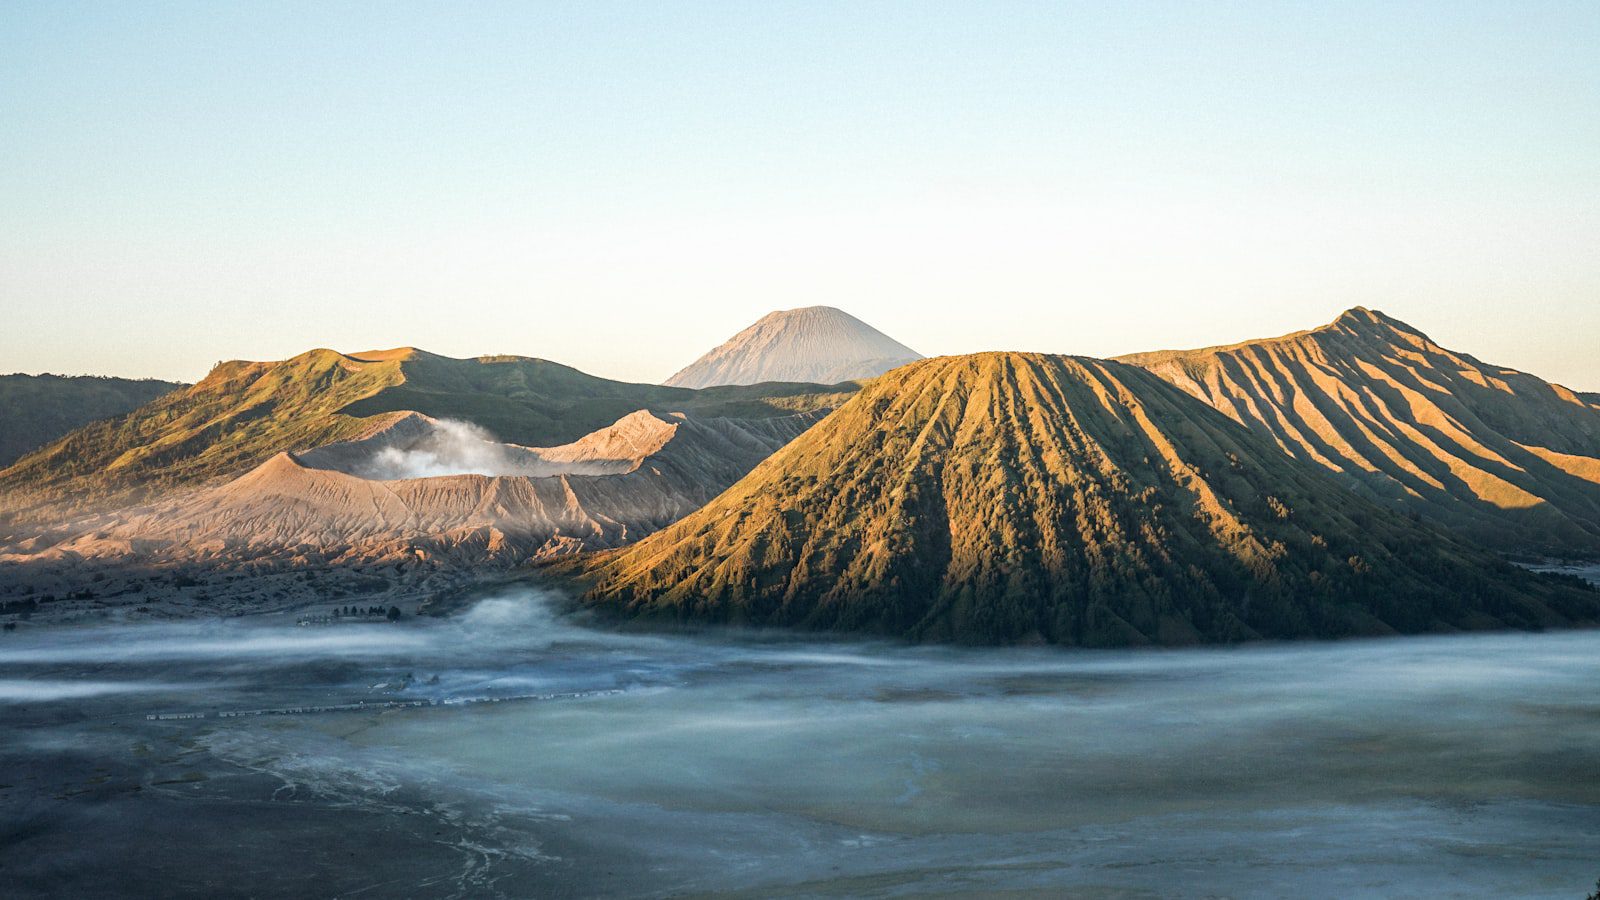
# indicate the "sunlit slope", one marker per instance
pixel 235 418
pixel 1005 497
pixel 37 409
pixel 1510 459
pixel 243 413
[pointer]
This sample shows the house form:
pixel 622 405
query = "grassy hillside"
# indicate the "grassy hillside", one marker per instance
pixel 243 413
pixel 542 403
pixel 37 409
pixel 1504 456
pixel 1006 497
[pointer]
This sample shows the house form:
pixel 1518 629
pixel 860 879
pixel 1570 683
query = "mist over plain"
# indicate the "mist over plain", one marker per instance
pixel 1408 768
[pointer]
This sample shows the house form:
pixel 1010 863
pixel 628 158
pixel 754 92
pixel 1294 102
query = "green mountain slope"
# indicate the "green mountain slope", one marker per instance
pixel 538 402
pixel 1506 457
pixel 243 413
pixel 37 409
pixel 1006 497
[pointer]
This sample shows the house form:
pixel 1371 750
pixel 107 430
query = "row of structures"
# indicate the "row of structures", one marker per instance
pixel 386 704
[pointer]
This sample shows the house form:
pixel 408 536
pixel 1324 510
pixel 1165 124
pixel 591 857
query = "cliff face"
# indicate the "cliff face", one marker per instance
pixel 1509 459
pixel 1005 496
pixel 816 344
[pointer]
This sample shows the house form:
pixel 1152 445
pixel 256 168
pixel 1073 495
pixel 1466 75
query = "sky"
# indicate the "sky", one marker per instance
pixel 621 186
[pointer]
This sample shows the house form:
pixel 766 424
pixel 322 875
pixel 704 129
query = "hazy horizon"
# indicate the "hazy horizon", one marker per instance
pixel 619 188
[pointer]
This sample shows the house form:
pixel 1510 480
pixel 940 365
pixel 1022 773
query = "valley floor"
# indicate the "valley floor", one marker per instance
pixel 75 593
pixel 129 592
pixel 1588 571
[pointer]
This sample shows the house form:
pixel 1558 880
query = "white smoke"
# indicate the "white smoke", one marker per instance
pixel 526 610
pixel 452 448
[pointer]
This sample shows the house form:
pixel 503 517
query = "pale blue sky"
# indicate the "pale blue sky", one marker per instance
pixel 621 186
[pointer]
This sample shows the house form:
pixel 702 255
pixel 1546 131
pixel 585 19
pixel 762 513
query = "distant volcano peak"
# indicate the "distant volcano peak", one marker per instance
pixel 819 344
pixel 1374 323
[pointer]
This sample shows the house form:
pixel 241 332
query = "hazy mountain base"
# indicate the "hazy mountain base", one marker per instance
pixel 1019 497
pixel 302 530
pixel 131 589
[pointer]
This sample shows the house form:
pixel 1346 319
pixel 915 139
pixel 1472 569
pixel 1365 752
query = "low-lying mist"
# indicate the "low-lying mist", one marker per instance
pixel 539 756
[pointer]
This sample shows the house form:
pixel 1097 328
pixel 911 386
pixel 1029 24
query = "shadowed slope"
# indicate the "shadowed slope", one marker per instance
pixel 37 409
pixel 243 413
pixel 812 344
pixel 1006 496
pixel 1504 455
pixel 236 417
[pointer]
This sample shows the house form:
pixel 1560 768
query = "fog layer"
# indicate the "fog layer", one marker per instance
pixel 648 765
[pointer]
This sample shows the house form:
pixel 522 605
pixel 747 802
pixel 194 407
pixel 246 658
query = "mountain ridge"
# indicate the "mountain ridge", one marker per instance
pixel 1012 497
pixel 600 491
pixel 301 527
pixel 242 413
pixel 1503 454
